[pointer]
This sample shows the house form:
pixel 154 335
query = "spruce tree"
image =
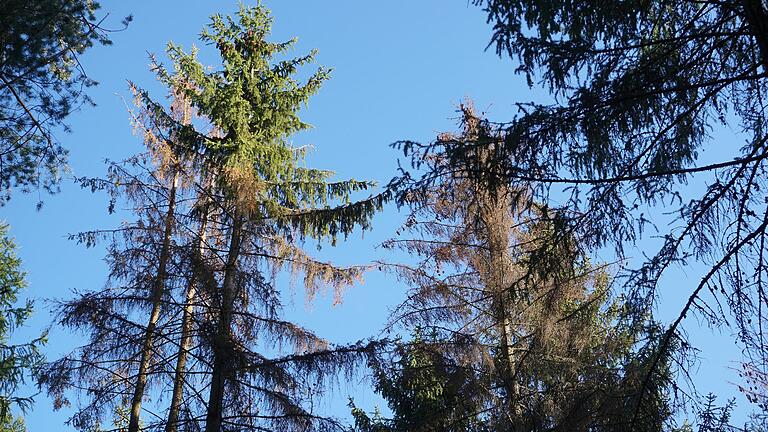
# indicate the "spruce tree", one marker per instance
pixel 506 343
pixel 17 361
pixel 423 388
pixel 637 89
pixel 130 324
pixel 243 203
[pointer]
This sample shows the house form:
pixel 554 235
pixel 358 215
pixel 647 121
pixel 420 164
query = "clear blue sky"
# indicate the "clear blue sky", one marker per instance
pixel 400 69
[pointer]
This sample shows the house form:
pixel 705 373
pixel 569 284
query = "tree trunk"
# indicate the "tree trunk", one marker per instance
pixel 186 332
pixel 508 362
pixel 223 341
pixel 494 215
pixel 157 298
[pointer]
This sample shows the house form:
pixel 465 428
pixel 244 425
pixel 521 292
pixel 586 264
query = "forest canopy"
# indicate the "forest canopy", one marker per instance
pixel 556 263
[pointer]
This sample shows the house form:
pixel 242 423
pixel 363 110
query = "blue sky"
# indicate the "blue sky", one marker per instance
pixel 400 70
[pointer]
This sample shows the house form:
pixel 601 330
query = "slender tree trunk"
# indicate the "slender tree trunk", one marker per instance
pixel 157 298
pixel 497 225
pixel 223 340
pixel 508 362
pixel 186 332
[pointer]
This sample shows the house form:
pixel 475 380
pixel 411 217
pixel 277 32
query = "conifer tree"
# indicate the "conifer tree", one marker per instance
pixel 637 89
pixel 168 172
pixel 130 323
pixel 226 211
pixel 424 390
pixel 17 361
pixel 512 345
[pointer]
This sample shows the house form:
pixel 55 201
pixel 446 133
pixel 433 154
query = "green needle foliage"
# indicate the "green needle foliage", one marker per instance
pixel 17 361
pixel 252 104
pixel 424 391
pixel 12 424
pixel 41 83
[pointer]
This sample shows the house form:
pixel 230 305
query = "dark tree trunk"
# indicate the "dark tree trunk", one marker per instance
pixel 157 298
pixel 223 340
pixel 172 424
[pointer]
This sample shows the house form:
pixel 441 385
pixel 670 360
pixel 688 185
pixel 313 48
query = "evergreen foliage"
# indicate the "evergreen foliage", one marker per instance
pixel 638 88
pixel 512 326
pixel 193 305
pixel 17 361
pixel 423 389
pixel 41 83
pixel 12 424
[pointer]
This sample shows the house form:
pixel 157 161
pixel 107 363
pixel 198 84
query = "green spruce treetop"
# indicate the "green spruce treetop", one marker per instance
pixel 252 105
